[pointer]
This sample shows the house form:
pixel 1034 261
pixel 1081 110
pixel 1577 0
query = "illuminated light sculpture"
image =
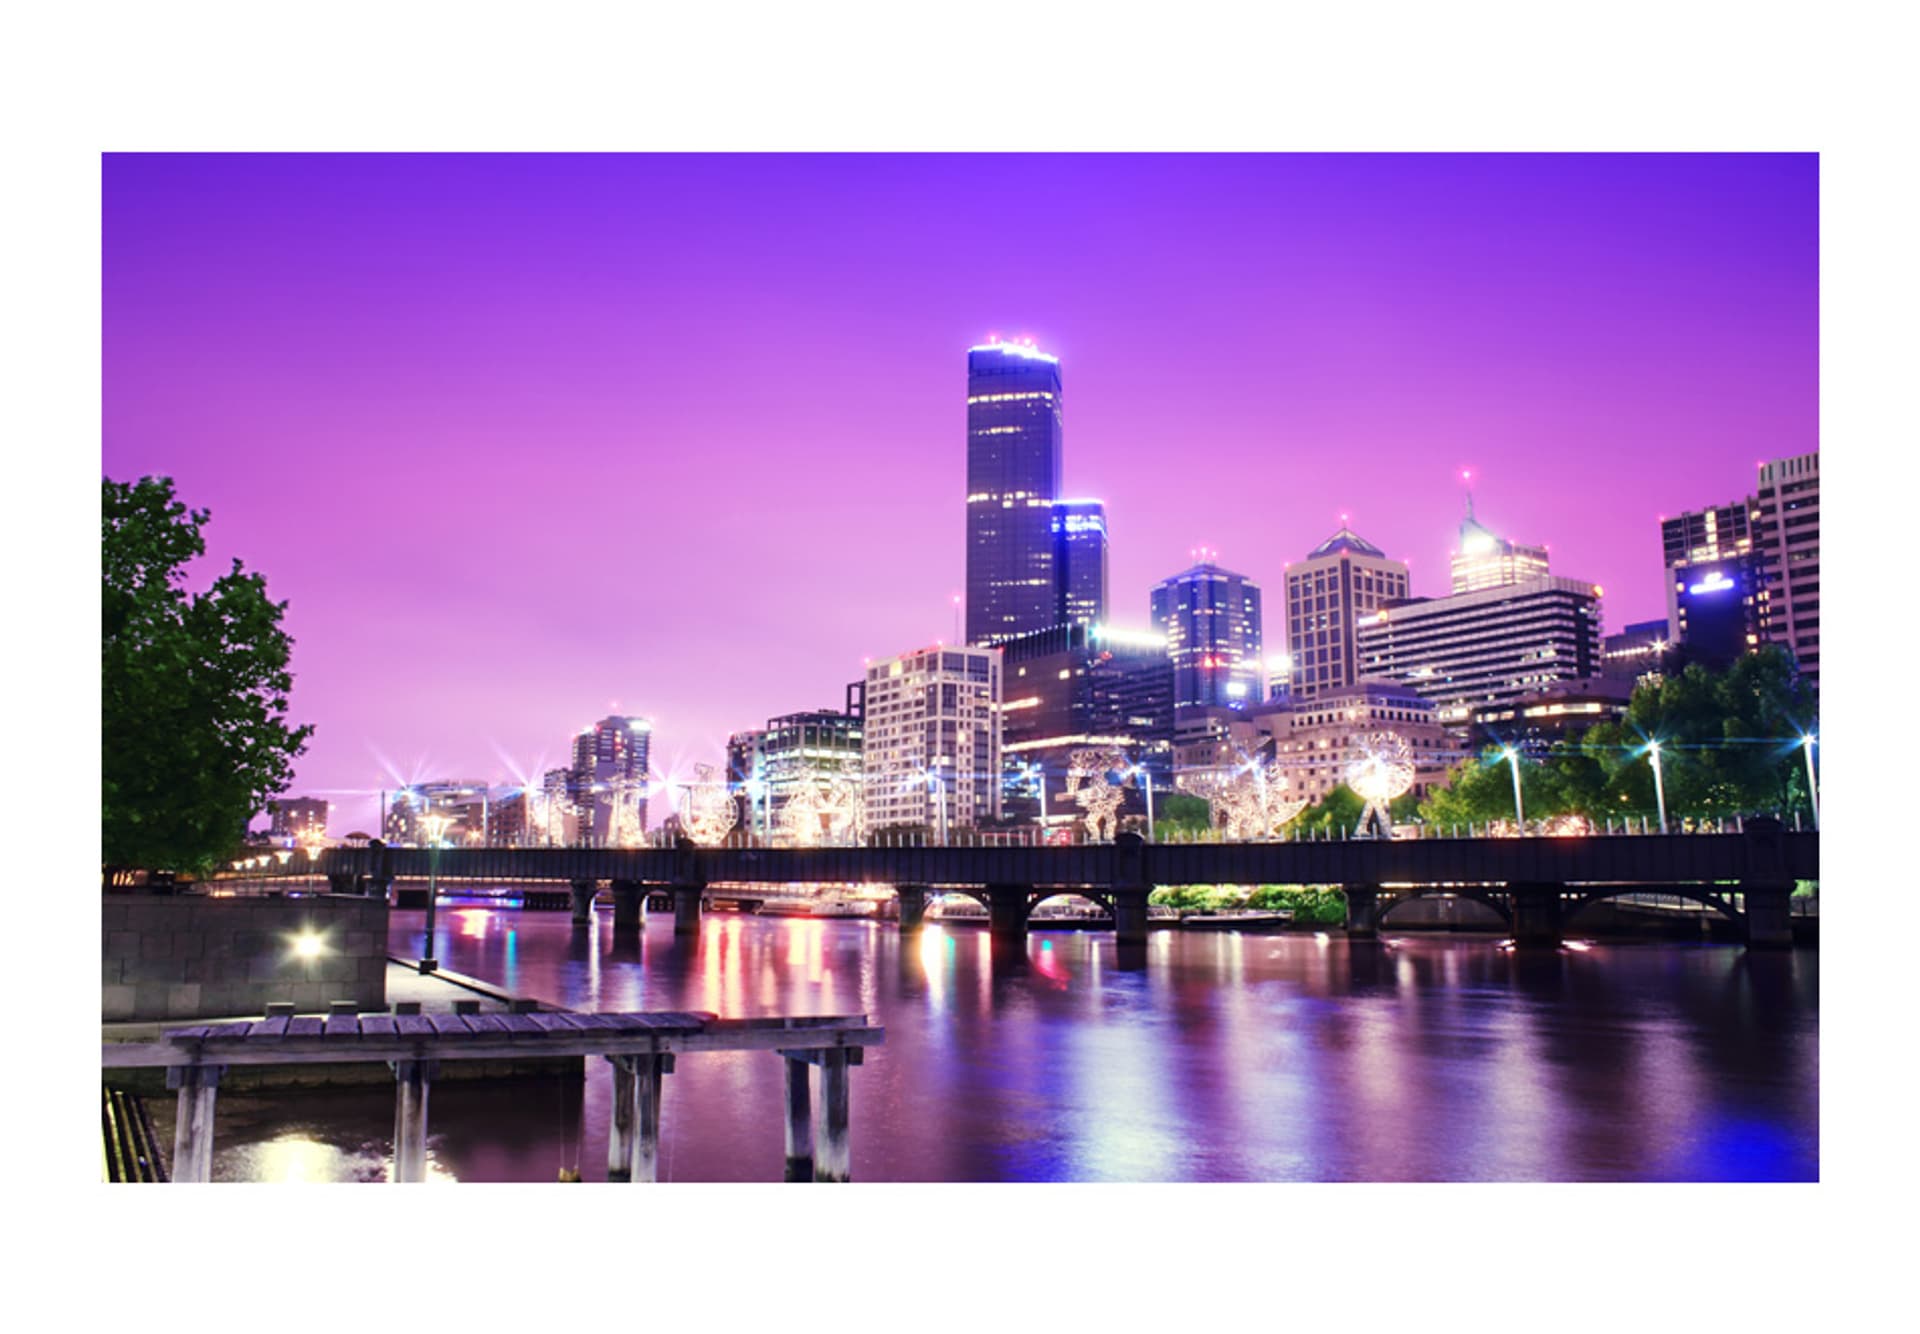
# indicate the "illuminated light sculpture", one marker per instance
pixel 1250 799
pixel 1380 770
pixel 1571 825
pixel 825 809
pixel 710 813
pixel 1088 784
pixel 624 794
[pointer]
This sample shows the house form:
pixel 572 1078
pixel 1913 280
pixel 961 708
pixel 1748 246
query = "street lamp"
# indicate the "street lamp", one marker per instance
pixel 436 827
pixel 313 843
pixel 1807 744
pixel 1512 758
pixel 1659 787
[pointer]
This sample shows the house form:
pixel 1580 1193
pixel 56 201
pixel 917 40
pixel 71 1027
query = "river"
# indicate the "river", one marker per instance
pixel 1227 1057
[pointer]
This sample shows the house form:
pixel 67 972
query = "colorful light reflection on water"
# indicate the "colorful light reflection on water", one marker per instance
pixel 1213 1057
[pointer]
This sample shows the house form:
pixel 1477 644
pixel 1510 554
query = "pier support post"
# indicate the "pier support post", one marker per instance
pixel 913 907
pixel 1007 912
pixel 412 1079
pixel 633 1142
pixel 629 905
pixel 1130 916
pixel 193 1120
pixel 1130 889
pixel 1769 914
pixel 580 895
pixel 1536 916
pixel 799 1103
pixel 834 1161
pixel 686 909
pixel 1363 912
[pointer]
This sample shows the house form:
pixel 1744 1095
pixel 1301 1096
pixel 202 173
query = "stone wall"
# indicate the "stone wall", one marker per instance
pixel 193 957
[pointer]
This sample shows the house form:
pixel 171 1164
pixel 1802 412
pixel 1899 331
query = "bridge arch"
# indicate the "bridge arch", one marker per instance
pixel 1485 898
pixel 1041 895
pixel 1579 897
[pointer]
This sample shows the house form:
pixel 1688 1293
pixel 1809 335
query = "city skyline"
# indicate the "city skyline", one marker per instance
pixel 441 354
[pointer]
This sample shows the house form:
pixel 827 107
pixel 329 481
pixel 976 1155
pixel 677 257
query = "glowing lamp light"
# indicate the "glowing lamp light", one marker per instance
pixel 1717 582
pixel 309 944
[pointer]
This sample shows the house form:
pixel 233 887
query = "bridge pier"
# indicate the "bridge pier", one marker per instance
pixel 1007 912
pixel 834 1161
pixel 580 895
pixel 412 1079
pixel 686 909
pixel 633 1140
pixel 629 905
pixel 799 1103
pixel 913 906
pixel 1536 916
pixel 1130 916
pixel 1769 914
pixel 1363 912
pixel 378 887
pixel 193 1120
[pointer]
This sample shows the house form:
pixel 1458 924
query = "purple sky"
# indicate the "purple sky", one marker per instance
pixel 528 439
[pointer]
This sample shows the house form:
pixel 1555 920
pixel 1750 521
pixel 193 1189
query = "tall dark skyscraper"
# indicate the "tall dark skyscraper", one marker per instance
pixel 1013 479
pixel 1080 553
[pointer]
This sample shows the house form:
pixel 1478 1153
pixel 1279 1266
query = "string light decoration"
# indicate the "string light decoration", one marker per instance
pixel 825 809
pixel 1088 785
pixel 710 813
pixel 547 811
pixel 1380 770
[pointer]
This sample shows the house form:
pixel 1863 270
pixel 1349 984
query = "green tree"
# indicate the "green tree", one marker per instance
pixel 1180 813
pixel 1339 809
pixel 193 690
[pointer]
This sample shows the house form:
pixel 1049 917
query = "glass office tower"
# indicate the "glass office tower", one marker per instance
pixel 1080 552
pixel 1013 479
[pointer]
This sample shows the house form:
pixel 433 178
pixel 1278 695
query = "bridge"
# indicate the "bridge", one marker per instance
pixel 1535 884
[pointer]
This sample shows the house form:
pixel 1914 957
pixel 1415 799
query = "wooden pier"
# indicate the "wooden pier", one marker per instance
pixel 642 1048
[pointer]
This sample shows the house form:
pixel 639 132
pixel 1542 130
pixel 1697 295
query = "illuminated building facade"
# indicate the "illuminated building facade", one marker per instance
pixel 1077 687
pixel 1786 531
pixel 1487 560
pixel 1080 554
pixel 1013 479
pixel 930 732
pixel 1342 581
pixel 1719 608
pixel 611 754
pixel 1636 651
pixel 1493 646
pixel 1534 723
pixel 297 817
pixel 1211 619
pixel 1314 740
pixel 467 802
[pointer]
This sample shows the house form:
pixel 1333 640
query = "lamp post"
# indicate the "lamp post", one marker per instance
pixel 1807 744
pixel 313 843
pixel 1512 758
pixel 1659 786
pixel 436 827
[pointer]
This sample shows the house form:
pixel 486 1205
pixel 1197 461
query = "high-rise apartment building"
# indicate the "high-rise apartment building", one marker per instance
pixel 610 767
pixel 297 817
pixel 1341 582
pixel 1211 619
pixel 1786 531
pixel 1748 572
pixel 1080 554
pixel 1013 479
pixel 1487 560
pixel 1491 646
pixel 930 743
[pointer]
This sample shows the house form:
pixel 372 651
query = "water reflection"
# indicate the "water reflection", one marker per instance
pixel 1194 1057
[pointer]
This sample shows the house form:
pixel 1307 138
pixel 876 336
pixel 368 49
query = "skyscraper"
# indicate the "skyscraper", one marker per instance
pixel 1080 554
pixel 1487 560
pixel 1786 531
pixel 1013 479
pixel 609 765
pixel 1343 580
pixel 930 738
pixel 1211 618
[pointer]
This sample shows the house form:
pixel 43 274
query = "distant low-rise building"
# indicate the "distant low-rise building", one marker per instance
pixel 1535 723
pixel 297 818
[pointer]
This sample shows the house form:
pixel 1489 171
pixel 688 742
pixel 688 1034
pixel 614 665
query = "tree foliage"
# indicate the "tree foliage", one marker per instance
pixel 194 738
pixel 1729 745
